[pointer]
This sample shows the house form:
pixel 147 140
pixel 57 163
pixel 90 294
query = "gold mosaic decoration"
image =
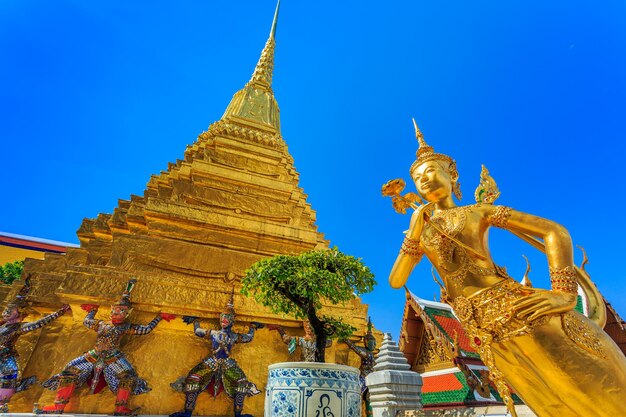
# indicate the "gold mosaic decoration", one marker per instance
pixel 578 330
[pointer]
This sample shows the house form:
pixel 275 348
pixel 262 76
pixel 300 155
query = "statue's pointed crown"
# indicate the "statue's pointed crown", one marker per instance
pixel 369 334
pixel 20 299
pixel 125 300
pixel 230 306
pixel 426 153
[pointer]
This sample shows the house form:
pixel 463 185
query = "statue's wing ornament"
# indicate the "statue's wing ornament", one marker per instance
pixel 487 191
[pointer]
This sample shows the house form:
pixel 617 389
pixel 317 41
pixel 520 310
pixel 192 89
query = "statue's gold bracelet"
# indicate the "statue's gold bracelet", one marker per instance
pixel 564 279
pixel 411 247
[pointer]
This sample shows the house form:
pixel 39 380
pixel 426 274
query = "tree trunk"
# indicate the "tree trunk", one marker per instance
pixel 320 335
pixel 320 351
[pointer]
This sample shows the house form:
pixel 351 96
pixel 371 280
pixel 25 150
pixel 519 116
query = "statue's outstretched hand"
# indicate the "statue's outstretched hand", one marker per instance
pixel 543 302
pixel 273 326
pixel 89 307
pixel 167 316
pixel 189 319
pixel 257 325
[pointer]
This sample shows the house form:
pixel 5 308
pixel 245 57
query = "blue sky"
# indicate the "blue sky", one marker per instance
pixel 97 96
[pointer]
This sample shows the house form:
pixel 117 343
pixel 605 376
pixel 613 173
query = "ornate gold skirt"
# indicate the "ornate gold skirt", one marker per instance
pixel 561 365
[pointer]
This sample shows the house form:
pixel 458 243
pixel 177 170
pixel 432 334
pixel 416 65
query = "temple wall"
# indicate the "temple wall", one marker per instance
pixel 160 357
pixel 12 254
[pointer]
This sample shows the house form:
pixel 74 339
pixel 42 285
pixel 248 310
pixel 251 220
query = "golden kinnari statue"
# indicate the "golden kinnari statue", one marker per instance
pixel 561 363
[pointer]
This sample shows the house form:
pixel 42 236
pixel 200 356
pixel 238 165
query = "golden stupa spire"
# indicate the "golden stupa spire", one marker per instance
pixel 255 105
pixel 262 75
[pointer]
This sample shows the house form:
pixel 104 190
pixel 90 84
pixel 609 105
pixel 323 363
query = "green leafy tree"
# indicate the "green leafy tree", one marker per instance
pixel 11 271
pixel 298 285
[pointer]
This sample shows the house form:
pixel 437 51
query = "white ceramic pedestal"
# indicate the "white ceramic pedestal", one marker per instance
pixel 309 389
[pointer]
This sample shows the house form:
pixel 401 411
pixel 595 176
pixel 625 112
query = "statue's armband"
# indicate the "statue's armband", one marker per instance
pixel 499 217
pixel 564 279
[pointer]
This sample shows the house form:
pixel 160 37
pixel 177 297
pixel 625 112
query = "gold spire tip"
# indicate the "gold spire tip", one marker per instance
pixel 275 21
pixel 418 132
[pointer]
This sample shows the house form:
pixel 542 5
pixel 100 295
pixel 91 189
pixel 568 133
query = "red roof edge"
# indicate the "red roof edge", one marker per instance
pixel 29 244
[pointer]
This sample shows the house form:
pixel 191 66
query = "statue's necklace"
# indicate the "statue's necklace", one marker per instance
pixel 452 257
pixel 451 220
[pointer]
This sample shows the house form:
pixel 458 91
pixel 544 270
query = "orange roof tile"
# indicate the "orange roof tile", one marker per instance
pixel 450 326
pixel 438 383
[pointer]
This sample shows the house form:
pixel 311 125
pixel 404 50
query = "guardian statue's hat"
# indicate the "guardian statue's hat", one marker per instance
pixel 125 300
pixel 20 299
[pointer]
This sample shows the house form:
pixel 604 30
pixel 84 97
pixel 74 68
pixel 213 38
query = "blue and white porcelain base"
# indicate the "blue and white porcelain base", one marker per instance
pixel 309 389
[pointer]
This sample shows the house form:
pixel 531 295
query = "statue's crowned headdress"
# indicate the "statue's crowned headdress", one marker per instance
pixel 125 300
pixel 230 306
pixel 19 301
pixel 369 335
pixel 427 153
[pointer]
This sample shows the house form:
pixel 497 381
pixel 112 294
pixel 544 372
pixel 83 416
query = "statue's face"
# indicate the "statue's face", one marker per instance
pixel 10 313
pixel 370 343
pixel 227 320
pixel 308 331
pixel 432 181
pixel 119 314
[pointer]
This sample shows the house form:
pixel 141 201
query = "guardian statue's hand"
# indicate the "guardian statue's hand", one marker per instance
pixel 89 307
pixel 189 319
pixel 167 316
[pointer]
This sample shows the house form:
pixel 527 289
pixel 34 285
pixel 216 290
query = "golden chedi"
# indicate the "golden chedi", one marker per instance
pixel 561 363
pixel 188 239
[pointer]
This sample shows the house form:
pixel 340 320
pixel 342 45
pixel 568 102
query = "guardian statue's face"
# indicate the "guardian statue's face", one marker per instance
pixel 10 313
pixel 119 313
pixel 308 331
pixel 227 320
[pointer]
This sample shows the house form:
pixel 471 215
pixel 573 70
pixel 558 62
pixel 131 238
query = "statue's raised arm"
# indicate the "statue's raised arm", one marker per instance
pixel 528 337
pixel 558 249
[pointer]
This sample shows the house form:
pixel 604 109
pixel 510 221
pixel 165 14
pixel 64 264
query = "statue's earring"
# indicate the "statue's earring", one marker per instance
pixel 456 189
pixel 456 186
